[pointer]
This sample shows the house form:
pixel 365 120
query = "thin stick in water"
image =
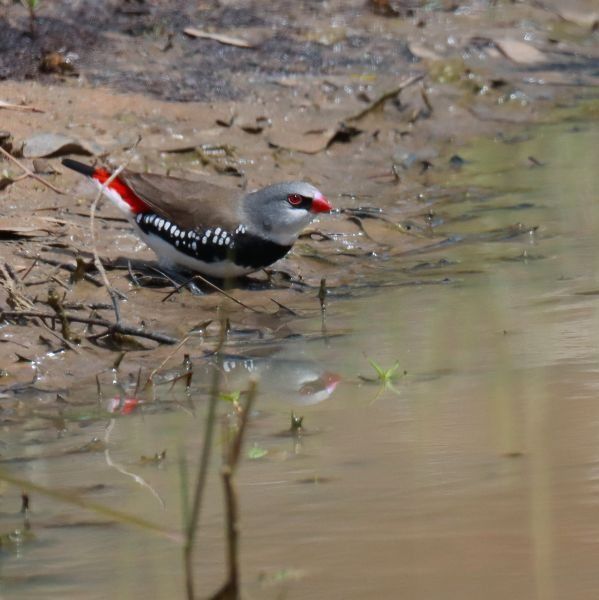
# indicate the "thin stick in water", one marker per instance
pixel 231 588
pixel 200 484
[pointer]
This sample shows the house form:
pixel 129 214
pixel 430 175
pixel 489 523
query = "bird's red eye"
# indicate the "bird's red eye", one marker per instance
pixel 294 199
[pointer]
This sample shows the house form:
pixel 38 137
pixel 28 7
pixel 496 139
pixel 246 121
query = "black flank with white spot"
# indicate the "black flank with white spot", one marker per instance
pixel 214 244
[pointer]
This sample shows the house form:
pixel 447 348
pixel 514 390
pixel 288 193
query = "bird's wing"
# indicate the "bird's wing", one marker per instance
pixel 188 204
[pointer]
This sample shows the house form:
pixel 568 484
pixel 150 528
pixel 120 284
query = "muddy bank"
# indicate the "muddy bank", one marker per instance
pixel 369 101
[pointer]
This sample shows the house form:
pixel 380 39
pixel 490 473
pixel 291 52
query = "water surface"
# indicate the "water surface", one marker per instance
pixel 478 472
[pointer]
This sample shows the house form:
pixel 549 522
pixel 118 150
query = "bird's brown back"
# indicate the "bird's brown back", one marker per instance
pixel 188 204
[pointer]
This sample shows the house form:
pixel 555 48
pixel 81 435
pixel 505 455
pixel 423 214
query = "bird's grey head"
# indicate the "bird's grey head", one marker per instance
pixel 279 212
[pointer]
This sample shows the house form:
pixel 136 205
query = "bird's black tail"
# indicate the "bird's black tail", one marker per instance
pixel 79 167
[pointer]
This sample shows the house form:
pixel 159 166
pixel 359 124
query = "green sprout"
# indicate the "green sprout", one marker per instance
pixel 232 397
pixel 257 452
pixel 386 378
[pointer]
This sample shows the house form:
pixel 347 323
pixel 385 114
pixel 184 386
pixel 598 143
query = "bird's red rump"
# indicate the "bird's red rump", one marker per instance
pixel 123 190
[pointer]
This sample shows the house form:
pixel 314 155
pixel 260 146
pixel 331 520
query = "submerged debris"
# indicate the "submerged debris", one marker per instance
pixel 297 424
pixel 322 293
pixel 156 460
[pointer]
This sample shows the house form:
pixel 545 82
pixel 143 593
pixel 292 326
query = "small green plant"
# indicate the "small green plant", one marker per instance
pixel 385 377
pixel 232 397
pixel 257 452
pixel 31 6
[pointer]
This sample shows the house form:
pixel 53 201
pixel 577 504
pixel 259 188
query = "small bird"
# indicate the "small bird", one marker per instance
pixel 206 228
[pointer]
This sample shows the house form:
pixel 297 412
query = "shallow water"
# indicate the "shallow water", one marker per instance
pixel 477 471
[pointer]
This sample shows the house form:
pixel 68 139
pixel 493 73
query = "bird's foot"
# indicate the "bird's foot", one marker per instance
pixel 181 279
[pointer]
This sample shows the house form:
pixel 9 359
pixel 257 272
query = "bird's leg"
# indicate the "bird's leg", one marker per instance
pixel 180 279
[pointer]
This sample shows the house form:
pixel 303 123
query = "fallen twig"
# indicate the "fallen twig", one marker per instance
pixel 31 267
pixel 170 355
pixel 384 97
pixel 92 214
pixel 11 282
pixel 55 304
pixel 20 107
pixel 214 287
pixel 76 500
pixel 285 308
pixel 66 266
pixel 228 40
pixel 111 327
pixel 15 297
pixel 30 173
pixel 66 342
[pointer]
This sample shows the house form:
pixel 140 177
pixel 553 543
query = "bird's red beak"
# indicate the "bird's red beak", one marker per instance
pixel 320 204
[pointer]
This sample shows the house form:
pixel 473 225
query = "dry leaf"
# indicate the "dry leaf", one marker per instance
pixel 252 119
pixel 325 130
pixel 311 142
pixel 24 227
pixel 588 20
pixel 184 141
pixel 55 144
pixel 423 52
pixel 217 37
pixel 43 167
pixel 519 52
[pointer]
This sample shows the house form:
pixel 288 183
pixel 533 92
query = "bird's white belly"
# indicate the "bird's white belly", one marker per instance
pixel 169 256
